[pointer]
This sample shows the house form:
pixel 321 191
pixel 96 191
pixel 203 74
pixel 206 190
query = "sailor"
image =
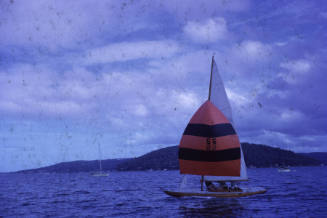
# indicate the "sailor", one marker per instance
pixel 213 188
pixel 223 185
pixel 210 186
pixel 234 187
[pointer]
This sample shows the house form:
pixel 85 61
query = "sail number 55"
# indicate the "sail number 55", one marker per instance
pixel 211 144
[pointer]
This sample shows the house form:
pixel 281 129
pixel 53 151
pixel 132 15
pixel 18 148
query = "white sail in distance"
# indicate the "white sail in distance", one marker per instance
pixel 218 96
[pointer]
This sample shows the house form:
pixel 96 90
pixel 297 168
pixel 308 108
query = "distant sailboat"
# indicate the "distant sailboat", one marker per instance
pixel 210 146
pixel 282 166
pixel 100 172
pixel 284 169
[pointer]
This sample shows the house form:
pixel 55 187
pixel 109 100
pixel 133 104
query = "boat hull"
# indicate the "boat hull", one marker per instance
pixel 100 174
pixel 244 193
pixel 284 170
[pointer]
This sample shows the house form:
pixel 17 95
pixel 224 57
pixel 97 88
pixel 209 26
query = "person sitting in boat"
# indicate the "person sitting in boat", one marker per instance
pixel 213 188
pixel 210 186
pixel 234 187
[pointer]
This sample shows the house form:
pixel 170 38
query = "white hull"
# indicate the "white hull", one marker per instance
pixel 284 170
pixel 100 174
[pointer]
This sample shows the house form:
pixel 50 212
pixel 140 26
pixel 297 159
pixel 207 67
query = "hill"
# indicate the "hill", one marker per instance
pixel 321 156
pixel 79 166
pixel 165 158
pixel 256 155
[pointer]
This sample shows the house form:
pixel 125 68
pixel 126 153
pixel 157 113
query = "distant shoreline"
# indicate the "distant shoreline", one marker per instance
pixel 256 156
pixel 123 171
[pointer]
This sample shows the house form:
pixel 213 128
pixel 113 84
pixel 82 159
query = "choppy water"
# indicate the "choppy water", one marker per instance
pixel 300 193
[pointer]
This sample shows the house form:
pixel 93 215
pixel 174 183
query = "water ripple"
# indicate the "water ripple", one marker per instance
pixel 135 194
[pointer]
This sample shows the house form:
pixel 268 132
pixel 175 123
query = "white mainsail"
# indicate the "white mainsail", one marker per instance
pixel 218 96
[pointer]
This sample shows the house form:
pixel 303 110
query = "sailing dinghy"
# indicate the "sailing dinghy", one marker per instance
pixel 100 172
pixel 210 146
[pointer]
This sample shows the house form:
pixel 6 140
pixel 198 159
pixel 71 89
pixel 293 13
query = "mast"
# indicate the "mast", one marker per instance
pixel 100 166
pixel 202 179
pixel 100 157
pixel 212 60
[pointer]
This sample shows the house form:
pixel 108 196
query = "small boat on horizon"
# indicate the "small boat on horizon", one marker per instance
pixel 100 172
pixel 284 169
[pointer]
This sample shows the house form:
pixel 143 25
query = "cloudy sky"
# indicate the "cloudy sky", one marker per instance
pixel 126 76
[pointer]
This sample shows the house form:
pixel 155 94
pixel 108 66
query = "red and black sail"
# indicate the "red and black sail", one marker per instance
pixel 209 145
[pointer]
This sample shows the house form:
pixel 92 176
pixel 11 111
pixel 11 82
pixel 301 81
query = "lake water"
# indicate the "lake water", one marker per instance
pixel 299 193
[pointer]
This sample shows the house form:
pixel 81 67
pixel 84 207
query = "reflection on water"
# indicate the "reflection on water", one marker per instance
pixel 229 207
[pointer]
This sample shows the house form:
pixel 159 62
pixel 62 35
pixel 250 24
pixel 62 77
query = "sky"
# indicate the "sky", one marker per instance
pixel 83 80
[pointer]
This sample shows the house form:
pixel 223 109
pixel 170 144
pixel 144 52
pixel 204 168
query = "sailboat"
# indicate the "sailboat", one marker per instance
pixel 282 166
pixel 284 169
pixel 210 147
pixel 100 172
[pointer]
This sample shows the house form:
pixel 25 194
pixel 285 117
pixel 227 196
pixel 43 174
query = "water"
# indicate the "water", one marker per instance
pixel 300 193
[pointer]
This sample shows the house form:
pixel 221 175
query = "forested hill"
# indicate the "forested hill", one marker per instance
pixel 167 158
pixel 321 156
pixel 255 156
pixel 258 155
pixel 79 166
